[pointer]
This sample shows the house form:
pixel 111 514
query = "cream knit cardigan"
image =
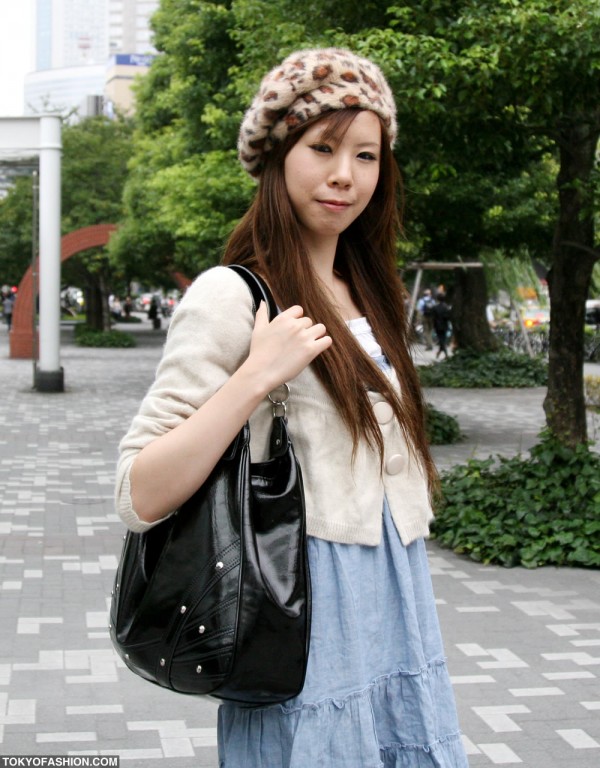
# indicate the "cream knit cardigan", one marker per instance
pixel 208 340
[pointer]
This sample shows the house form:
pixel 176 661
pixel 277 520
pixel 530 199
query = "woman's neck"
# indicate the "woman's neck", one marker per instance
pixel 322 257
pixel 335 286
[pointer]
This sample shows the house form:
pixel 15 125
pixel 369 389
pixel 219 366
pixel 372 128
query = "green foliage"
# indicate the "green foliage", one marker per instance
pixel 16 222
pixel 94 166
pixel 592 345
pixel 185 189
pixel 442 429
pixel 88 337
pixel 479 177
pixel 592 390
pixel 542 510
pixel 493 369
pixel 200 198
pixel 511 275
pixel 493 100
pixel 595 283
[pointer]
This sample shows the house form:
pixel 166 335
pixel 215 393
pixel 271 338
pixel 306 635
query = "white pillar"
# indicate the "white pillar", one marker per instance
pixel 49 375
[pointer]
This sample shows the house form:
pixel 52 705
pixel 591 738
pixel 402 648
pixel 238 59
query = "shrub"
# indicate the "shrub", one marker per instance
pixel 88 337
pixel 542 510
pixel 491 369
pixel 442 429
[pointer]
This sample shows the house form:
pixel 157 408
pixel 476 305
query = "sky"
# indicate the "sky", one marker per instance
pixel 16 53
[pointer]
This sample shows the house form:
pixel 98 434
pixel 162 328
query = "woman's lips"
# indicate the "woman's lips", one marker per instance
pixel 334 205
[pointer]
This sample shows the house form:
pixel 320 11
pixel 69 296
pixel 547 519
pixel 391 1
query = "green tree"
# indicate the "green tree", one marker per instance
pixel 16 222
pixel 95 156
pixel 490 93
pixel 181 199
pixel 94 166
pixel 500 77
pixel 186 189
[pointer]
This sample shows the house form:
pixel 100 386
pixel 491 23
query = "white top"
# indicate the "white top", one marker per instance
pixel 363 332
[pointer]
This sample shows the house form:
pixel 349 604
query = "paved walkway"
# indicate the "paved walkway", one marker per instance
pixel 523 646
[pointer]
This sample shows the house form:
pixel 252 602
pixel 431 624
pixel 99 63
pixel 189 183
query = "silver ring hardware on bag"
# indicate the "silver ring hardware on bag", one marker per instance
pixel 281 401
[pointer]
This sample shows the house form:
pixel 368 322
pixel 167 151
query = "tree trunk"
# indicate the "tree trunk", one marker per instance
pixel 93 306
pixel 569 278
pixel 96 301
pixel 469 318
pixel 104 294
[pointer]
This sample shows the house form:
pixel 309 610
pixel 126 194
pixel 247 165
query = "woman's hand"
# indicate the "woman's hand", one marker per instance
pixel 282 348
pixel 169 469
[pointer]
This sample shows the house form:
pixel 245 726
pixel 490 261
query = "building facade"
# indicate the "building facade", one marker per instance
pixel 88 53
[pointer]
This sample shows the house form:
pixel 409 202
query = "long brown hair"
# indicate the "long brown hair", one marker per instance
pixel 268 239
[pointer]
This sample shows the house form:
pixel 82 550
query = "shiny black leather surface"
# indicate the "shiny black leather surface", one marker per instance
pixel 216 599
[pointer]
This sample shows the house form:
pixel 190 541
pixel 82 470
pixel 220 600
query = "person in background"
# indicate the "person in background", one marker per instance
pixel 441 324
pixel 7 309
pixel 322 231
pixel 425 309
pixel 154 312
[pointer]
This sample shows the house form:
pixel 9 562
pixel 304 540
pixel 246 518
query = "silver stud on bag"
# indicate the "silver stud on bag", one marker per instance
pixel 198 669
pixel 219 565
pixel 162 662
pixel 201 629
pixel 183 609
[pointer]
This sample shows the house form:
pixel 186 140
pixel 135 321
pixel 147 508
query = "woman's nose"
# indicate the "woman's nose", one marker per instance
pixel 341 172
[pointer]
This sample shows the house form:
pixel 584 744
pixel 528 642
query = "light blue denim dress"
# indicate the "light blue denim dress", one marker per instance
pixel 377 691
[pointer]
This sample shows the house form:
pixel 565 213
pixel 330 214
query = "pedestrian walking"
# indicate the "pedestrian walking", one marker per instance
pixel 425 307
pixel 441 324
pixel 7 310
pixel 322 231
pixel 153 312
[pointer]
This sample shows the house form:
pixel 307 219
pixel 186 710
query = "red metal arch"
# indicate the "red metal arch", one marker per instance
pixel 21 336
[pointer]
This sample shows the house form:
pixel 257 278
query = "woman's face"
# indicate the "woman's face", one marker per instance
pixel 330 181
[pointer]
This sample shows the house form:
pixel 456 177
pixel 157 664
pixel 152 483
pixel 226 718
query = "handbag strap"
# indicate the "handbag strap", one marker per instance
pixel 280 440
pixel 258 288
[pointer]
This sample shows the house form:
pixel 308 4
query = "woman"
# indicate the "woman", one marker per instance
pixel 322 231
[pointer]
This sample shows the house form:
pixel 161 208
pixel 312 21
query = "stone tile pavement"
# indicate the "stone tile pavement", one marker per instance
pixel 523 646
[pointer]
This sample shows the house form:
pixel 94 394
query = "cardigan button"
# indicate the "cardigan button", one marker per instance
pixel 394 464
pixel 383 412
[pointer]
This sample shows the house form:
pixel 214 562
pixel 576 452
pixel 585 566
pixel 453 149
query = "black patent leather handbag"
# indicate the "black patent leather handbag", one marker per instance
pixel 216 599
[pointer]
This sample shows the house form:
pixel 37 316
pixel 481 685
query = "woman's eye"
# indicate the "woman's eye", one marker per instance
pixel 321 147
pixel 367 156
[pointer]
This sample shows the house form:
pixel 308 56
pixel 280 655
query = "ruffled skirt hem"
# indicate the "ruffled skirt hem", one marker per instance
pixel 380 726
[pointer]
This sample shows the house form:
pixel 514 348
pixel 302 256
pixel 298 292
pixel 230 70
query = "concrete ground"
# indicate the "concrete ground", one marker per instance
pixel 523 646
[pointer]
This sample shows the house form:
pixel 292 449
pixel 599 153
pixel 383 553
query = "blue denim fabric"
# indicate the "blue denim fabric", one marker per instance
pixel 377 691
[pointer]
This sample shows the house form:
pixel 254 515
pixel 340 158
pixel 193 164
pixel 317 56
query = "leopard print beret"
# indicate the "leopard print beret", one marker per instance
pixel 309 83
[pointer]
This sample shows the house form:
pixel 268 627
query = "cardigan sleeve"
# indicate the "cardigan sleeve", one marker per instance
pixel 207 341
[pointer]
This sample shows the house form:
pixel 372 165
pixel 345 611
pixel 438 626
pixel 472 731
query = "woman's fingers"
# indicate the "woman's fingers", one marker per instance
pixel 262 316
pixel 287 344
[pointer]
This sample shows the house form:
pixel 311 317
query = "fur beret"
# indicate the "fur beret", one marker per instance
pixel 309 83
